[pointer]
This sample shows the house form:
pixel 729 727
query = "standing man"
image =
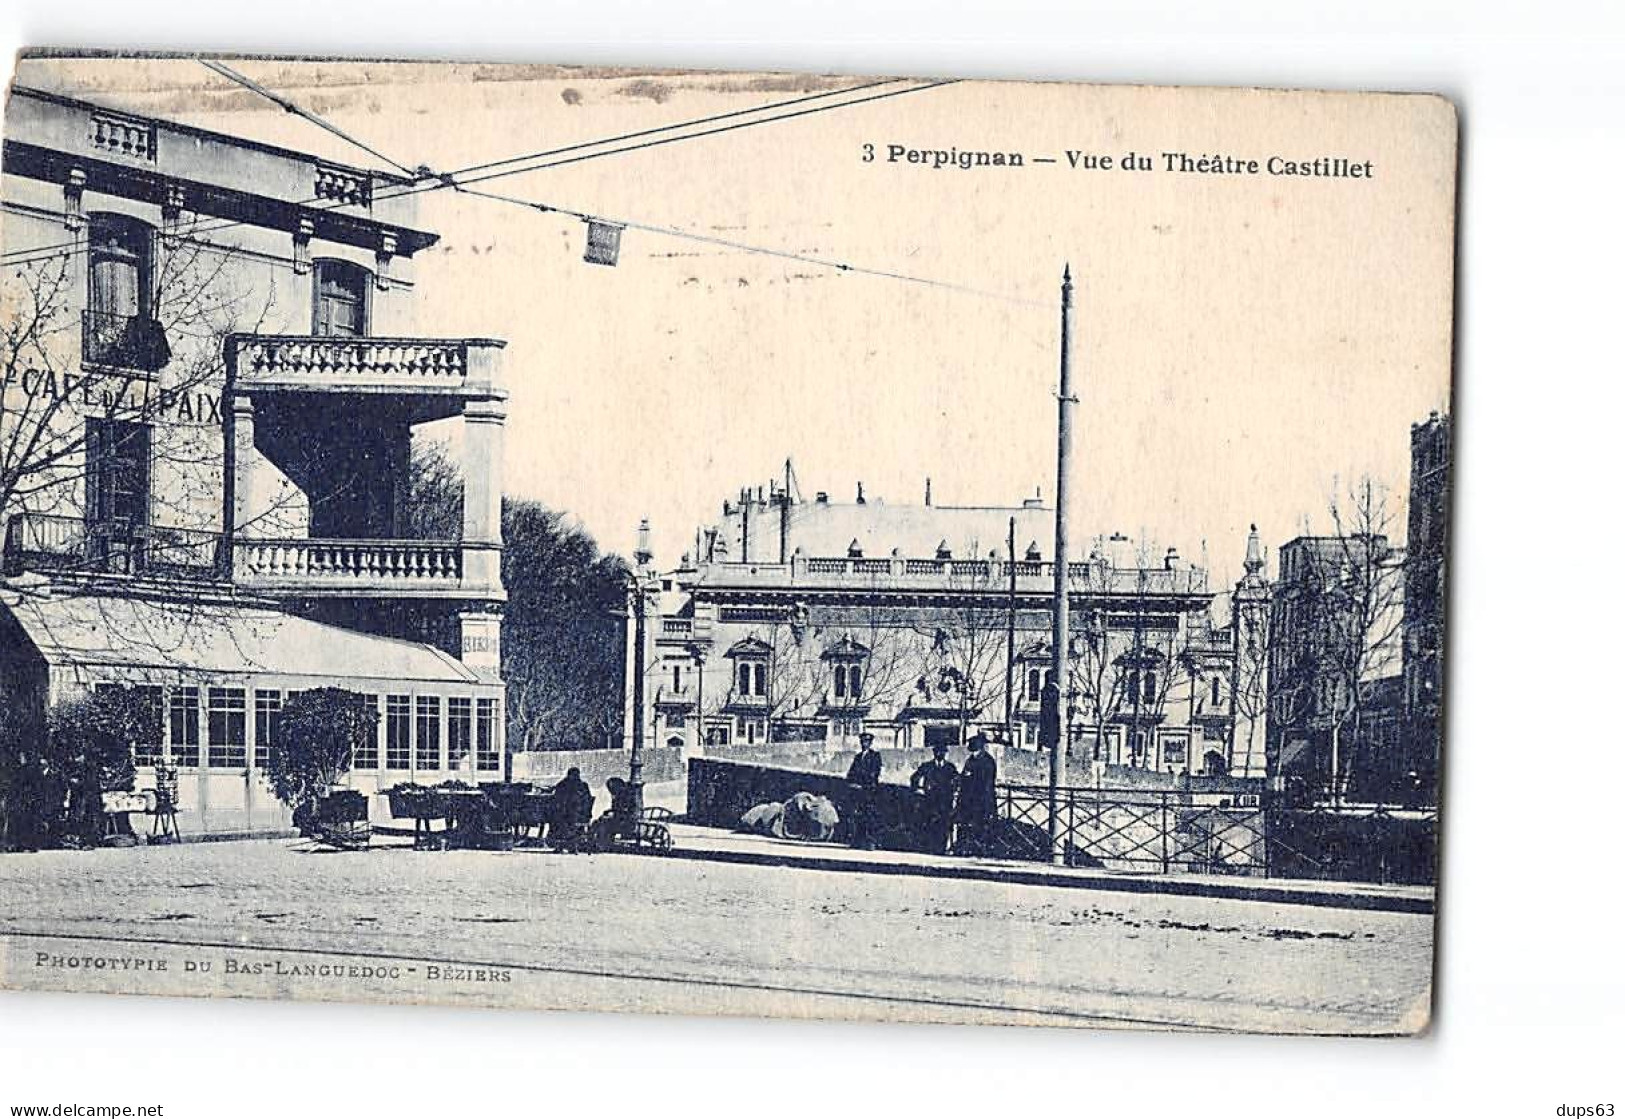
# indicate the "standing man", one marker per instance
pixel 864 777
pixel 934 782
pixel 978 798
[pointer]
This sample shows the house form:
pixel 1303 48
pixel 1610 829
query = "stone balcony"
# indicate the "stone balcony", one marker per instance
pixel 467 367
pixel 370 568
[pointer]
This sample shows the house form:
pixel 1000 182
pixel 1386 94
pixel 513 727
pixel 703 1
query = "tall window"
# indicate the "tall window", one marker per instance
pixel 428 746
pixel 341 298
pixel 118 472
pixel 486 755
pixel 1214 691
pixel 119 328
pixel 184 729
pixel 366 754
pixel 267 724
pixel 228 731
pixel 848 681
pixel 459 729
pixel 152 697
pixel 398 732
pixel 753 679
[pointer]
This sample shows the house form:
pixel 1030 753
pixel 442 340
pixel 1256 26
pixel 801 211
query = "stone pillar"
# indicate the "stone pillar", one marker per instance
pixel 482 494
pixel 481 641
pixel 244 460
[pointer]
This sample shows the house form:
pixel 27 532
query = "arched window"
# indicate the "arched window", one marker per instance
pixel 1149 694
pixel 1035 685
pixel 744 678
pixel 1215 691
pixel 840 681
pixel 855 681
pixel 341 299
pixel 759 678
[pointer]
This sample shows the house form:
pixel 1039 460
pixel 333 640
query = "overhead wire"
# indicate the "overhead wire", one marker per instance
pixel 289 106
pixel 425 180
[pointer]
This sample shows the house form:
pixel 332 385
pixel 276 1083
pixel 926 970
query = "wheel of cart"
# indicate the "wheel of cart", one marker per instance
pixel 653 832
pixel 341 820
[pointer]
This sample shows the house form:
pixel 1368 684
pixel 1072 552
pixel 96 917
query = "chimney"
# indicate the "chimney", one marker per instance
pixel 821 498
pixel 1170 561
pixel 784 527
pixel 1117 551
pixel 644 554
pixel 928 491
pixel 860 494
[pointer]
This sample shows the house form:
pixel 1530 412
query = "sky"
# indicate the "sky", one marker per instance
pixel 1243 343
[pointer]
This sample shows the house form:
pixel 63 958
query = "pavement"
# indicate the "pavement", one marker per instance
pixel 720 845
pixel 703 933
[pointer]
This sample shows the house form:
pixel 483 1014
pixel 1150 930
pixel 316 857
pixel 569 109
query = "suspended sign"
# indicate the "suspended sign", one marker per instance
pixel 603 242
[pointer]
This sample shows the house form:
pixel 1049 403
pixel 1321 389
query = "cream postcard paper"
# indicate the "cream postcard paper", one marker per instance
pixel 587 539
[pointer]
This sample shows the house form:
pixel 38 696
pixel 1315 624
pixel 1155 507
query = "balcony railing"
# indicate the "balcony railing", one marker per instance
pixel 350 565
pixel 124 341
pixel 40 542
pixel 121 135
pixel 979 576
pixel 349 364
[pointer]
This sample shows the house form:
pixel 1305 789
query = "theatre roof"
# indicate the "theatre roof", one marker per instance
pixel 824 528
pixel 94 630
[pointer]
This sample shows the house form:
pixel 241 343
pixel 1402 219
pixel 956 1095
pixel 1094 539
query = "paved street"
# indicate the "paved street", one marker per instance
pixel 638 932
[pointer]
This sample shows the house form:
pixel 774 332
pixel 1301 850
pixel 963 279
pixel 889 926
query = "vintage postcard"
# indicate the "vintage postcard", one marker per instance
pixel 719 543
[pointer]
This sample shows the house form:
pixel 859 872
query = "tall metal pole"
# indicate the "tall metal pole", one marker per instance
pixel 644 556
pixel 1061 633
pixel 1010 645
pixel 635 762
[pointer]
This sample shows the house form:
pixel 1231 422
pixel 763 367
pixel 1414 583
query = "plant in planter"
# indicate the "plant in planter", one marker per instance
pixel 88 752
pixel 319 733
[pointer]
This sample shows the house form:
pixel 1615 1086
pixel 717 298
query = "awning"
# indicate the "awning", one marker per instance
pixel 164 638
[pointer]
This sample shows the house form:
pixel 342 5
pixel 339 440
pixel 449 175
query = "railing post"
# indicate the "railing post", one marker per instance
pixel 1163 798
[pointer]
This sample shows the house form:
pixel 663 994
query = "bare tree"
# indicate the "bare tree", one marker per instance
pixel 1337 622
pixel 110 424
pixel 61 367
pixel 962 657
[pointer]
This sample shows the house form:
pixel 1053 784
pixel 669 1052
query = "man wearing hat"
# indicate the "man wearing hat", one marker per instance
pixel 978 798
pixel 864 777
pixel 935 781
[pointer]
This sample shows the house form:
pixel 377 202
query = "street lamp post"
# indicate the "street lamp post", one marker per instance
pixel 639 637
pixel 638 583
pixel 1061 628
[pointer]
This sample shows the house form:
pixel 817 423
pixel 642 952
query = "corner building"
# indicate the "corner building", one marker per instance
pixel 228 380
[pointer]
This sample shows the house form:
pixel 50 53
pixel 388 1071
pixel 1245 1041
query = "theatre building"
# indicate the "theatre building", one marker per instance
pixel 803 623
pixel 211 398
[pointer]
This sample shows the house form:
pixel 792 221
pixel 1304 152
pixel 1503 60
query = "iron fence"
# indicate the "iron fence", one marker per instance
pixel 1194 831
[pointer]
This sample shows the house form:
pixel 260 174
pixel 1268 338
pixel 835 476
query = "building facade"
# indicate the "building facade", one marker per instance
pixel 808 622
pixel 1333 654
pixel 1428 530
pixel 209 415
